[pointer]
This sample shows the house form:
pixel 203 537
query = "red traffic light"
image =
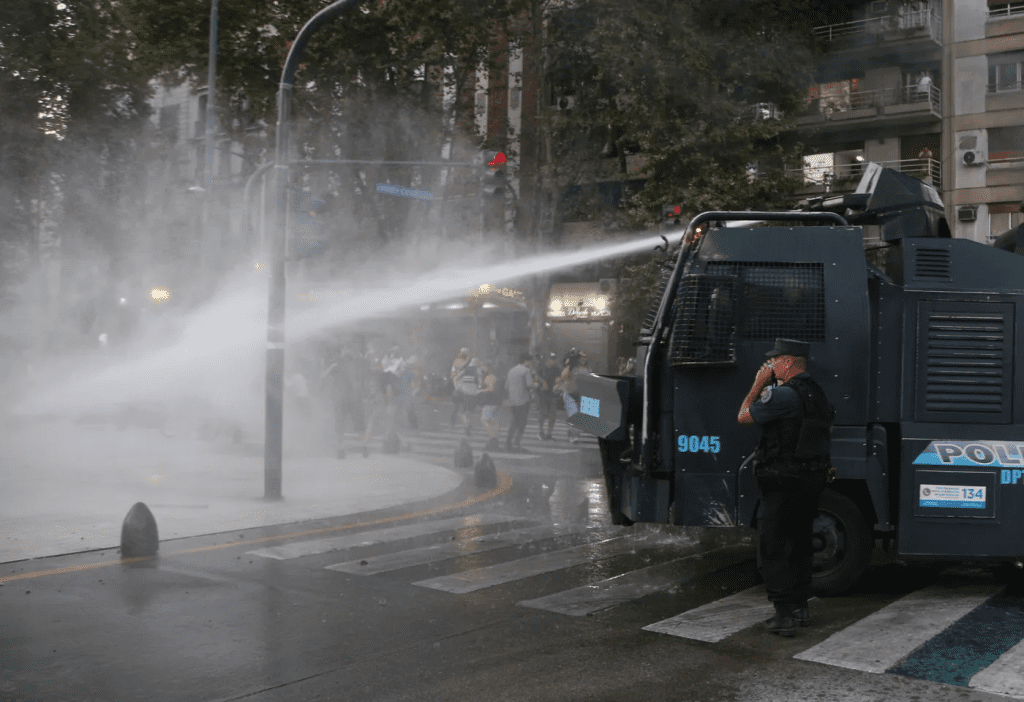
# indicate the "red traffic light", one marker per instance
pixel 677 211
pixel 497 160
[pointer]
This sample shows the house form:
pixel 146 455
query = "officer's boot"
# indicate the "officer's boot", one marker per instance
pixel 782 623
pixel 801 614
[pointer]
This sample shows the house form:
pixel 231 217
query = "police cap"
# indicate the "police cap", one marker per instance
pixel 789 347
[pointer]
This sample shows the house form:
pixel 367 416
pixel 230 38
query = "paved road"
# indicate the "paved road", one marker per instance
pixel 528 595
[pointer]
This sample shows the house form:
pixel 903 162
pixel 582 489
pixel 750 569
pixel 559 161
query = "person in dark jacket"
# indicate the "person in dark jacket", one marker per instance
pixel 793 461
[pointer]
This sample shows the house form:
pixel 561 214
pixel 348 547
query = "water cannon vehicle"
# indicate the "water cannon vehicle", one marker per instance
pixel 916 337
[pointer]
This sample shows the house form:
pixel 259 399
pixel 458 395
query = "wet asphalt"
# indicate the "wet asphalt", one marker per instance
pixel 208 620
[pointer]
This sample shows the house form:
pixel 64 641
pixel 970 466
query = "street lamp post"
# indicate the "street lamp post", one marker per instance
pixel 272 447
pixel 206 245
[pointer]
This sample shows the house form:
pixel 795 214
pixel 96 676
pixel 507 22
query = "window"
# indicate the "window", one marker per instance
pixel 1002 217
pixel 818 169
pixel 1004 72
pixel 1005 143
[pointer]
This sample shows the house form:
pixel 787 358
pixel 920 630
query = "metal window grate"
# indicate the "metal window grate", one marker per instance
pixel 779 299
pixel 704 328
pixel 932 264
pixel 745 300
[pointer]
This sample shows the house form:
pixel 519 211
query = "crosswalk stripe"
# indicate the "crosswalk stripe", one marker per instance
pixel 452 549
pixel 717 620
pixel 377 536
pixel 1004 676
pixel 881 640
pixel 588 599
pixel 969 645
pixel 488 576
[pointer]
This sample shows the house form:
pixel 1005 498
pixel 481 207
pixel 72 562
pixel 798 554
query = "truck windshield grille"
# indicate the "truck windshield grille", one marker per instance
pixel 749 301
pixel 704 328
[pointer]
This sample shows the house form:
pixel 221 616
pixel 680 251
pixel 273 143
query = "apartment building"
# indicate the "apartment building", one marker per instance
pixel 932 89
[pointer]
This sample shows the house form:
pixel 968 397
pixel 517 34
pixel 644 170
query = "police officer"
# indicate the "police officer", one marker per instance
pixel 792 467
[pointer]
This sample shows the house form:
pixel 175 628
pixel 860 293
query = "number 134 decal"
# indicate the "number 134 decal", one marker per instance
pixel 694 444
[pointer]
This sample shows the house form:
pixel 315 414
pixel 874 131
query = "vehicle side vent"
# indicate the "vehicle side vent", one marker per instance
pixel 704 328
pixel 965 362
pixel 932 265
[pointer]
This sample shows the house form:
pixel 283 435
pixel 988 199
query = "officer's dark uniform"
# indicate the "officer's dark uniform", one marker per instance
pixel 795 419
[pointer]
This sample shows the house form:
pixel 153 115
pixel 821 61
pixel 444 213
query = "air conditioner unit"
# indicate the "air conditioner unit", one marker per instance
pixel 973 157
pixel 966 214
pixel 566 102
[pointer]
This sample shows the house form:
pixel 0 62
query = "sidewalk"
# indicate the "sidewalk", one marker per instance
pixel 66 487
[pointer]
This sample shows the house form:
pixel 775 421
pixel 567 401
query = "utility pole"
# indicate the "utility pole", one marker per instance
pixel 211 237
pixel 272 446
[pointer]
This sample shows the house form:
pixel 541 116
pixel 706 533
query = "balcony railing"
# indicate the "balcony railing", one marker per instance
pixel 1006 87
pixel 897 26
pixel 845 177
pixel 885 97
pixel 1005 9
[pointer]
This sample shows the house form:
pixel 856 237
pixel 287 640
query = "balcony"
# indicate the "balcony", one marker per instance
pixel 1008 86
pixel 874 108
pixel 844 178
pixel 1005 9
pixel 901 27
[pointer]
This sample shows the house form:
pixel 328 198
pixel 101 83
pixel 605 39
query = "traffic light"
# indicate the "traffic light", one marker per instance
pixel 308 235
pixel 492 181
pixel 672 216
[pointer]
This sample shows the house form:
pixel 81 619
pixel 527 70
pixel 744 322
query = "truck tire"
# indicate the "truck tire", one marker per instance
pixel 1009 575
pixel 842 544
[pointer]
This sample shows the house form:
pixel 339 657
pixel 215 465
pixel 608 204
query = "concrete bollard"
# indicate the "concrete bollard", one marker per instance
pixel 484 473
pixel 138 533
pixel 464 455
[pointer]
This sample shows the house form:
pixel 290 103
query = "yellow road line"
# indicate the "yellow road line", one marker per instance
pixel 504 486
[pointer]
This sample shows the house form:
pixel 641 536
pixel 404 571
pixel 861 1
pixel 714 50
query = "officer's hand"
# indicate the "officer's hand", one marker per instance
pixel 764 376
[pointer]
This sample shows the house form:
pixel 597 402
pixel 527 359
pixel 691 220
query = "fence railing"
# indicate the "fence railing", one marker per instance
pixel 1005 86
pixel 880 26
pixel 864 99
pixel 1006 9
pixel 845 176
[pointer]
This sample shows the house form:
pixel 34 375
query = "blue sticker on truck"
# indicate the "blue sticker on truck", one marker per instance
pixel 988 454
pixel 590 405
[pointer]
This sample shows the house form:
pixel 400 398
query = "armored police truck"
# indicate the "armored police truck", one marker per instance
pixel 915 338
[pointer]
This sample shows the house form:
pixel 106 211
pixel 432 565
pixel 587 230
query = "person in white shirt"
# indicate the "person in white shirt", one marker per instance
pixel 518 385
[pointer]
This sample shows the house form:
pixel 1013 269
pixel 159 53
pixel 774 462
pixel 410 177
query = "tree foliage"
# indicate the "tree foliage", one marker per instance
pixel 72 110
pixel 369 85
pixel 673 86
pixel 692 103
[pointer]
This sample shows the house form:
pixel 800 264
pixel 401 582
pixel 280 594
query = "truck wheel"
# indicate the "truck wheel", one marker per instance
pixel 1009 575
pixel 842 544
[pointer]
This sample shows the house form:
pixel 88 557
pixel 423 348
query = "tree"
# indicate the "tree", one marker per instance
pixel 689 103
pixel 675 84
pixel 73 109
pixel 370 86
